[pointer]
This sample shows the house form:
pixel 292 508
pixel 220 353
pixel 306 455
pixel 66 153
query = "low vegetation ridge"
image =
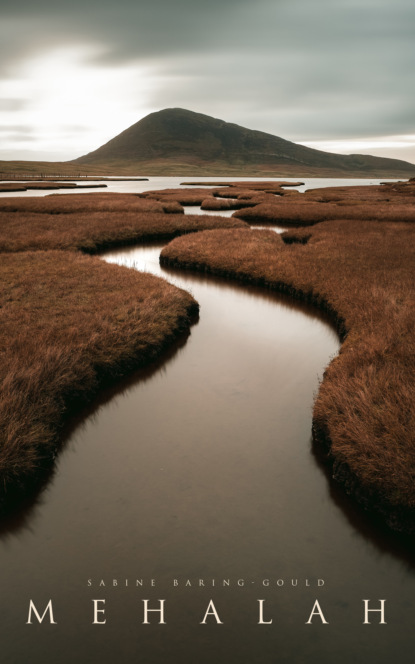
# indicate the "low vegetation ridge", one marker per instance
pixel 95 222
pixel 360 268
pixel 45 184
pixel 70 323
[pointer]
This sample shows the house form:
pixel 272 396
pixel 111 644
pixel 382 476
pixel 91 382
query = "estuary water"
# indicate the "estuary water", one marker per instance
pixel 129 187
pixel 194 486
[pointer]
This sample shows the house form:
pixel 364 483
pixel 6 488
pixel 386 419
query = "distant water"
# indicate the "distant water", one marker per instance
pixel 170 182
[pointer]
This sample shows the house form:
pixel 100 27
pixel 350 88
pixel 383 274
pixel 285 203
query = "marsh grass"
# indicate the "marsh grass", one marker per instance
pixel 218 204
pixel 94 231
pixel 72 203
pixel 25 186
pixel 288 211
pixel 182 196
pixel 389 202
pixel 271 186
pixel 69 322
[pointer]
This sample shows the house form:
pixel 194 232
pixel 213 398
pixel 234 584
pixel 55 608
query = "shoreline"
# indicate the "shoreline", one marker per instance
pixel 54 368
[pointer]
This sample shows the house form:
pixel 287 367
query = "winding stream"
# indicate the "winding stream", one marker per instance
pixel 201 468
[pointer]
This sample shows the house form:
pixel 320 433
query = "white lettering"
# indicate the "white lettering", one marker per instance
pixel 316 612
pixel 211 611
pixel 49 609
pixel 147 611
pixel 261 620
pixel 381 611
pixel 96 620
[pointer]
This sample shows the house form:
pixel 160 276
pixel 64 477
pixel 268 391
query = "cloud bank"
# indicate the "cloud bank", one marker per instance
pixel 306 70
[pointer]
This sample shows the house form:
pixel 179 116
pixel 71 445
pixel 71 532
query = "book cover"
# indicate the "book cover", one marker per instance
pixel 188 516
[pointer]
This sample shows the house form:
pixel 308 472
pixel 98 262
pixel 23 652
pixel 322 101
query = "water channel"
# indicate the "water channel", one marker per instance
pixel 196 480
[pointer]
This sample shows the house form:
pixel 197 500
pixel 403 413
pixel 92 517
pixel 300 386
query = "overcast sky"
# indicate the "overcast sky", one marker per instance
pixel 333 74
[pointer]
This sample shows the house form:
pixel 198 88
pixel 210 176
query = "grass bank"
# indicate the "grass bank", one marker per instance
pixel 25 186
pixel 97 231
pixel 362 273
pixel 72 203
pixel 69 323
pixel 91 223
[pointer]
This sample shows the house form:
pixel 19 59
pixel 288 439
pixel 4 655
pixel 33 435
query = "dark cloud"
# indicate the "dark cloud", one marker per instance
pixel 152 27
pixel 126 30
pixel 304 98
pixel 303 69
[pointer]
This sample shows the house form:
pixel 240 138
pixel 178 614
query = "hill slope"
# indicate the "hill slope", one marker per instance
pixel 179 140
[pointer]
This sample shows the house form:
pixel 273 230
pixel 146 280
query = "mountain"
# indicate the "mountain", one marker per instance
pixel 177 140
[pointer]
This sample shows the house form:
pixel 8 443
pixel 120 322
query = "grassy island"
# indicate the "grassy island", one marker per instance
pixel 94 222
pixel 6 187
pixel 362 271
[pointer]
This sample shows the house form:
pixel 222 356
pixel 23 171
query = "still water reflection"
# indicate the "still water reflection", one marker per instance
pixel 202 468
